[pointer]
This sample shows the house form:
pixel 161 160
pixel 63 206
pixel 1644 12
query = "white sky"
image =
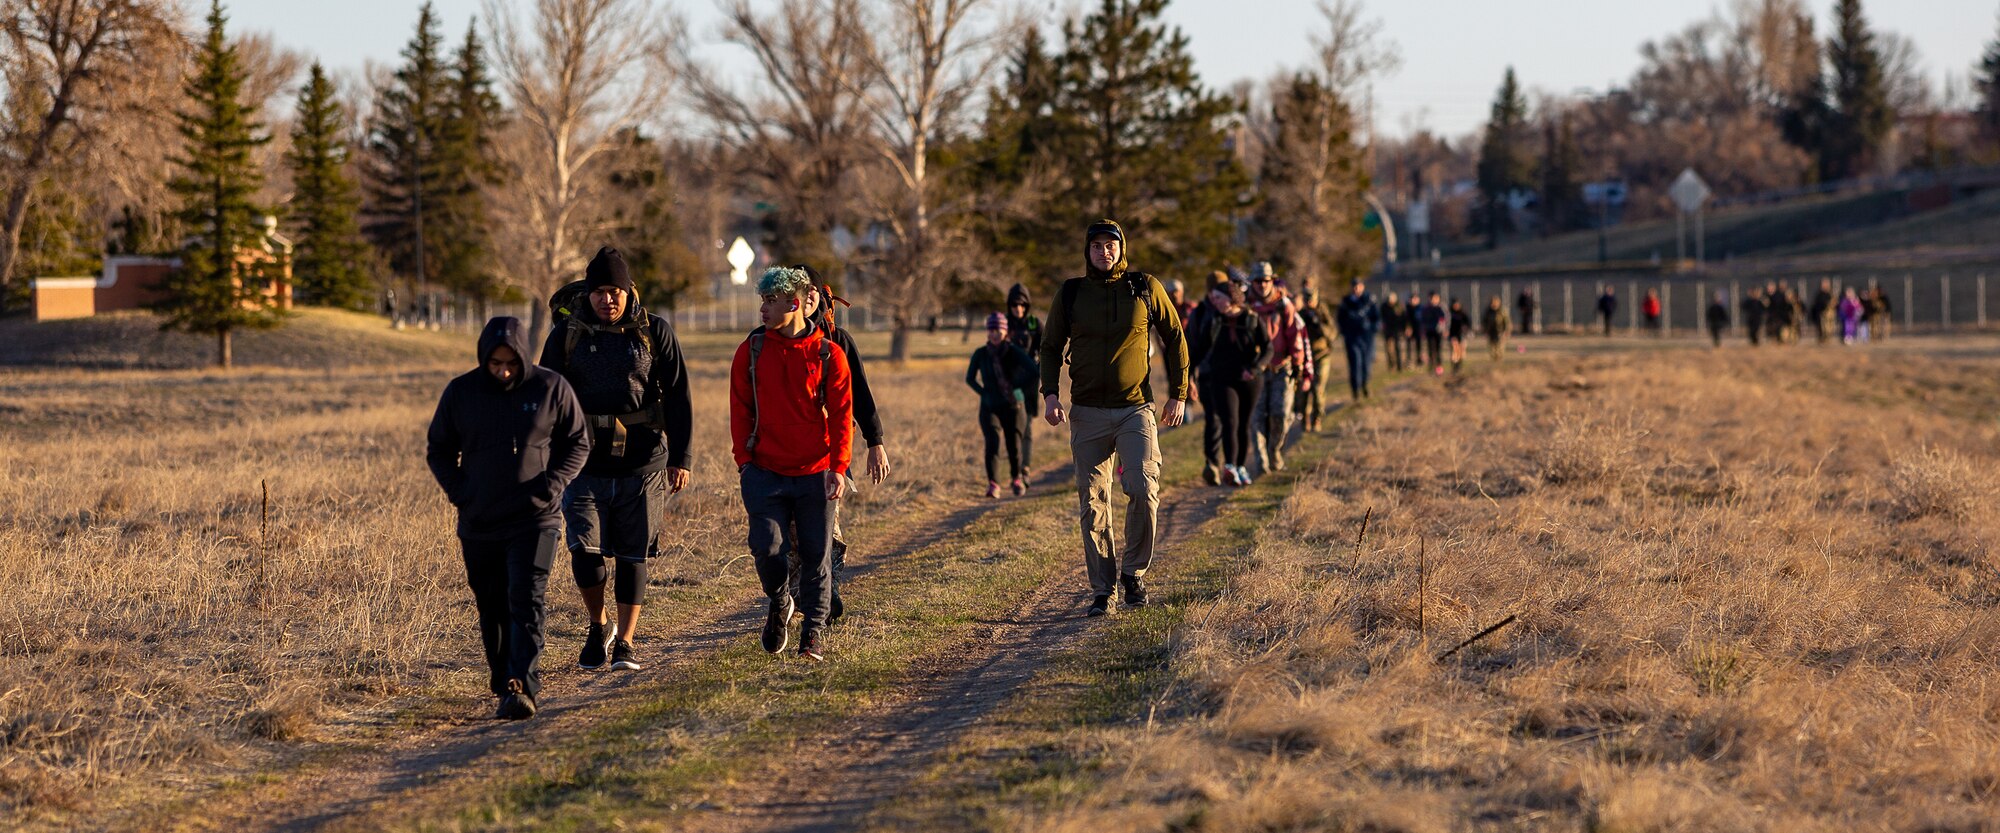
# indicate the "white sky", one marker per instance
pixel 1454 51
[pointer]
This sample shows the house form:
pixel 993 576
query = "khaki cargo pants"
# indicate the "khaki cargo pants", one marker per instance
pixel 1099 437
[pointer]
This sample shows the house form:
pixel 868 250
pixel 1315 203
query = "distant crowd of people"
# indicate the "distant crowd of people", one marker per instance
pixel 1774 313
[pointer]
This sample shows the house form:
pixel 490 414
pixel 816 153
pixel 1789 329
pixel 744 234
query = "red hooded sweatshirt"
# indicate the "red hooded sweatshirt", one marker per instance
pixel 795 435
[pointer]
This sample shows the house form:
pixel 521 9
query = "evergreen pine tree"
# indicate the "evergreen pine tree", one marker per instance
pixel 645 227
pixel 1142 142
pixel 1862 117
pixel 1308 220
pixel 1018 138
pixel 406 178
pixel 1986 81
pixel 1561 172
pixel 464 168
pixel 330 262
pixel 214 290
pixel 1504 163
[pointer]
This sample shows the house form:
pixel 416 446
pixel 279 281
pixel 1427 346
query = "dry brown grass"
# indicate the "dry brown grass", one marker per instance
pixel 152 628
pixel 1748 601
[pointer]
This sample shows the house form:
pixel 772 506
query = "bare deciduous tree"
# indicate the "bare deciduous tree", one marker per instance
pixel 73 69
pixel 806 129
pixel 930 60
pixel 577 72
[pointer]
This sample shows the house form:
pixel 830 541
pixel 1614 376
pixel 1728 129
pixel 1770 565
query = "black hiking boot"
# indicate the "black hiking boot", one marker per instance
pixel 1099 606
pixel 517 705
pixel 775 624
pixel 595 643
pixel 1135 592
pixel 810 645
pixel 835 610
pixel 621 657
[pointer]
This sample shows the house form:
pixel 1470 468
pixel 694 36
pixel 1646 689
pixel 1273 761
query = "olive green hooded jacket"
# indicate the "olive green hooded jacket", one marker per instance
pixel 1104 341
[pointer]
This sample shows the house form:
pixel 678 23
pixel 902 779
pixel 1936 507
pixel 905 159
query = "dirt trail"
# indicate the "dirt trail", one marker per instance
pixel 338 785
pixel 830 783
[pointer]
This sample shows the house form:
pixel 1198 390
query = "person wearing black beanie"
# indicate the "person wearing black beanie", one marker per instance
pixel 628 372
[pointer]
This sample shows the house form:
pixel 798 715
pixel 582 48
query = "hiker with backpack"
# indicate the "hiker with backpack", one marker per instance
pixel 1101 325
pixel 1319 332
pixel 791 428
pixel 1288 370
pixel 1227 347
pixel 627 369
pixel 820 310
pixel 998 373
pixel 1358 319
pixel 506 439
pixel 1024 330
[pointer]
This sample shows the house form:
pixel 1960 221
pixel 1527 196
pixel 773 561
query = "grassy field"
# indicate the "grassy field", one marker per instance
pixel 1747 592
pixel 1751 590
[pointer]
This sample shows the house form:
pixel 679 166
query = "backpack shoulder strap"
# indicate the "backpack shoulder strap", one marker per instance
pixel 825 368
pixel 756 349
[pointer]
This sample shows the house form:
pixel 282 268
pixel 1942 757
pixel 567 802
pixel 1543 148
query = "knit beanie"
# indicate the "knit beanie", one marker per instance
pixel 997 321
pixel 608 269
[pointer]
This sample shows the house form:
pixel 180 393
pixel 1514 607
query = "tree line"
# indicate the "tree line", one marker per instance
pixel 932 151
pixel 1752 97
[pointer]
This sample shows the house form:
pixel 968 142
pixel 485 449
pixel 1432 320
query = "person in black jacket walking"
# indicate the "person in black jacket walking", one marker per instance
pixel 1226 347
pixel 1024 330
pixel 999 372
pixel 626 366
pixel 506 440
pixel 1359 320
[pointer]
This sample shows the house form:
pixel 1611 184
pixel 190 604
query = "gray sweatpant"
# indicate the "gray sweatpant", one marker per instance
pixel 1097 438
pixel 1271 420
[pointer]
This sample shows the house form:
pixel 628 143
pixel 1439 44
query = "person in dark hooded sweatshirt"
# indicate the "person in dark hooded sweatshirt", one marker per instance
pixel 507 438
pixel 1024 330
pixel 628 372
pixel 998 372
pixel 1101 322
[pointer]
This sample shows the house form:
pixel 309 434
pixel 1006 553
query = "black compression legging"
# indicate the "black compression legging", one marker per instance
pixel 1227 406
pixel 997 425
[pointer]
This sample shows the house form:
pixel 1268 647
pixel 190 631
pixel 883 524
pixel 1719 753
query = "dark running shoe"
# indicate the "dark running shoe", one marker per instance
pixel 1135 592
pixel 595 643
pixel 775 624
pixel 621 657
pixel 809 645
pixel 1099 606
pixel 517 705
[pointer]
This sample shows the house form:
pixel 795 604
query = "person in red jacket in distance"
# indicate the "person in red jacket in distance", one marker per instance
pixel 791 425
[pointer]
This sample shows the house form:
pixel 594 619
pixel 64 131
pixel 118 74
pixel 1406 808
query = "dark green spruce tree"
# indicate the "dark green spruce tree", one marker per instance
pixel 1505 162
pixel 406 181
pixel 330 264
pixel 465 168
pixel 1561 176
pixel 1002 166
pixel 1862 117
pixel 1142 141
pixel 1986 83
pixel 1310 188
pixel 215 291
pixel 644 226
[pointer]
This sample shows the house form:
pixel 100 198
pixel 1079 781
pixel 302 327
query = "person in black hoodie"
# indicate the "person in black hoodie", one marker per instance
pixel 1226 347
pixel 506 439
pixel 998 372
pixel 1024 330
pixel 628 372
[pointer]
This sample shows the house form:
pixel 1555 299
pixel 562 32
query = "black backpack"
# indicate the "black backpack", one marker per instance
pixel 565 307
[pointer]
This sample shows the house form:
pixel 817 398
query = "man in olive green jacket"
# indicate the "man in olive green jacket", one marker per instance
pixel 1101 324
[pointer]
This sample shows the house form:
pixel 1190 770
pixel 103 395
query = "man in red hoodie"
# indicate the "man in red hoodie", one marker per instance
pixel 791 423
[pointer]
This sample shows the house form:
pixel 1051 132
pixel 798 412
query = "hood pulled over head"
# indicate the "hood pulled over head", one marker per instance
pixel 1112 228
pixel 504 330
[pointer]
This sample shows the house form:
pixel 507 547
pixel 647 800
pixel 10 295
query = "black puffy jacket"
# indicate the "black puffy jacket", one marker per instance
pixel 504 452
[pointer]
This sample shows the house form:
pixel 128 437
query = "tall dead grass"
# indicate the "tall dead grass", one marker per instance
pixel 1745 604
pixel 153 624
